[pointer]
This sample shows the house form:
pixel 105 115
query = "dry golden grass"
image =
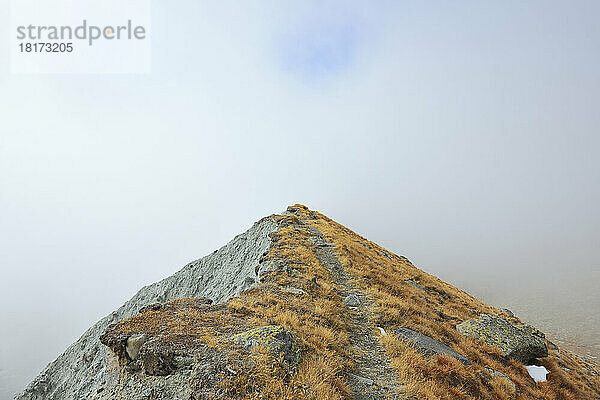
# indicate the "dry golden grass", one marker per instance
pixel 435 312
pixel 318 318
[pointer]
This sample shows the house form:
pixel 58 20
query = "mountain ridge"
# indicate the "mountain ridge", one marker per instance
pixel 56 380
pixel 317 291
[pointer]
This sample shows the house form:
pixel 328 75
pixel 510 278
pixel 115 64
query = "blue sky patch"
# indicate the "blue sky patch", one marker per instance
pixel 321 51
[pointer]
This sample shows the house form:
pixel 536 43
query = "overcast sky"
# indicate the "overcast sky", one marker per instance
pixel 463 135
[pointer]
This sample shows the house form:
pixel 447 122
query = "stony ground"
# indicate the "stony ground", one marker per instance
pixel 373 378
pixel 82 369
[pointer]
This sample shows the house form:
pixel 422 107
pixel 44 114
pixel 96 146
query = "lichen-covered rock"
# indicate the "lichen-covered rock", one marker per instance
pixel 519 342
pixel 183 349
pixel 275 339
pixel 428 346
pixel 270 266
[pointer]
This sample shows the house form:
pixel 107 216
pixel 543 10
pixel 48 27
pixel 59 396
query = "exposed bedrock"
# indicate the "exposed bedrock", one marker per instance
pixel 81 372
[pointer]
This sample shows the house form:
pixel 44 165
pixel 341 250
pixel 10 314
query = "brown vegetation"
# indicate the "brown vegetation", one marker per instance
pixel 435 311
pixel 303 298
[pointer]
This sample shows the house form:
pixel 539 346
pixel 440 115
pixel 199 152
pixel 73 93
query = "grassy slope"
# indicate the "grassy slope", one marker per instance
pixel 435 312
pixel 320 320
pixel 316 318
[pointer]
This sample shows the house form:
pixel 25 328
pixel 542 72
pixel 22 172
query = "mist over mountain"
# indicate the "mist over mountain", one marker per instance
pixel 461 135
pixel 300 306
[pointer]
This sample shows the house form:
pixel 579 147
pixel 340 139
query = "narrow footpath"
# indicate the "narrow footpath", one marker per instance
pixel 373 378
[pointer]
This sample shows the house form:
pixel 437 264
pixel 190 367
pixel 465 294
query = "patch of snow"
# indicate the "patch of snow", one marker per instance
pixel 537 373
pixel 382 331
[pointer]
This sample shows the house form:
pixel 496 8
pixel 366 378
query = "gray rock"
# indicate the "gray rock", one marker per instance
pixel 273 338
pixel 248 282
pixel 414 284
pixel 519 342
pixel 361 379
pixel 320 241
pixel 508 312
pixel 133 345
pixel 352 300
pixel 428 346
pixel 271 266
pixel 474 312
pixel 294 290
pixel 84 368
pixel 200 380
pixel 509 383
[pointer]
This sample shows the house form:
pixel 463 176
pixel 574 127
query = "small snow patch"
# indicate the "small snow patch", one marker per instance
pixel 537 373
pixel 382 331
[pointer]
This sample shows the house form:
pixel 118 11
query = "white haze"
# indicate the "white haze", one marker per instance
pixel 463 135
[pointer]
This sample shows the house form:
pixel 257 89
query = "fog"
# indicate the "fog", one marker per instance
pixel 462 135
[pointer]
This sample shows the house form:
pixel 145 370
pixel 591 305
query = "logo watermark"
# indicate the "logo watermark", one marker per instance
pixel 87 32
pixel 61 36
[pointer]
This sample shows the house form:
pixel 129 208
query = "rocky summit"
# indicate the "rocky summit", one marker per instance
pixel 300 307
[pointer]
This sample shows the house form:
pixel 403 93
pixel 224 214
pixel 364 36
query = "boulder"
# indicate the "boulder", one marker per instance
pixel 271 266
pixel 352 300
pixel 414 284
pixel 508 312
pixel 428 346
pixel 275 339
pixel 133 345
pixel 294 290
pixel 519 342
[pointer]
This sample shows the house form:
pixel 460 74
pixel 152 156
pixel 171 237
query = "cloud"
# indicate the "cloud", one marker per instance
pixel 319 50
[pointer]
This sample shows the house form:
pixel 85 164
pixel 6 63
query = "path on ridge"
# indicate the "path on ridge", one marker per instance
pixel 373 378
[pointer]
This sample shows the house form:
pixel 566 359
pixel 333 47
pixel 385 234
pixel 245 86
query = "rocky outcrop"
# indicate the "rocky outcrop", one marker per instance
pixel 81 372
pixel 279 342
pixel 519 342
pixel 428 346
pixel 171 370
pixel 133 345
pixel 188 348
